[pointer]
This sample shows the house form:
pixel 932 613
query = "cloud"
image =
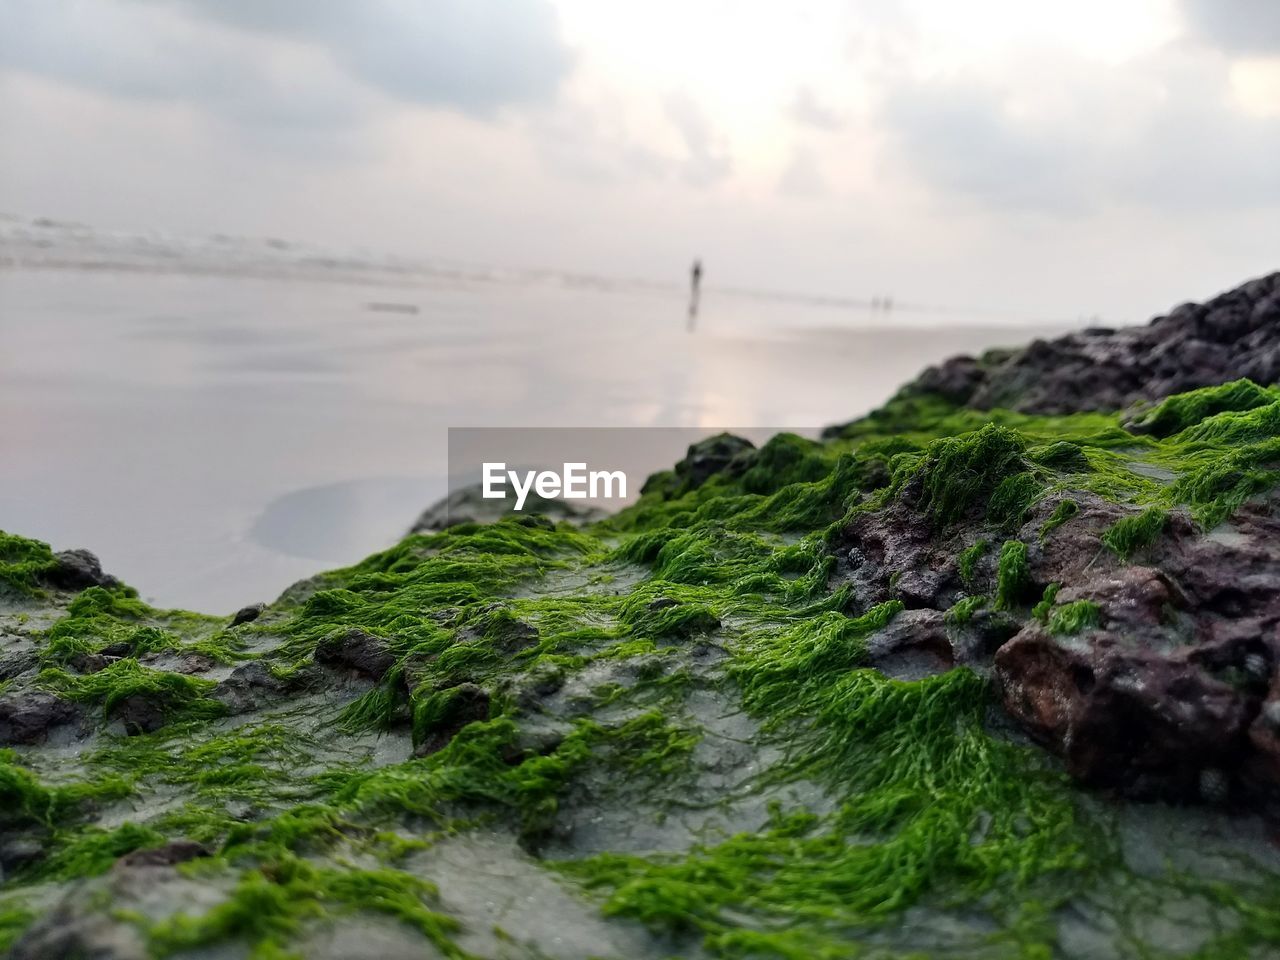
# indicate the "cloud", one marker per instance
pixel 1250 27
pixel 134 52
pixel 707 159
pixel 1058 135
pixel 960 139
pixel 474 55
pixel 293 63
pixel 802 176
pixel 591 144
pixel 806 110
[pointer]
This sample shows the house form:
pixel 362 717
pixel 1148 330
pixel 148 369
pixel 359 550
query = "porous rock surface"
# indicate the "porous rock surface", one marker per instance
pixel 1175 693
pixel 1233 335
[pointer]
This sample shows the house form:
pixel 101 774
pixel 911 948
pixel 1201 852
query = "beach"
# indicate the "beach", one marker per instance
pixel 219 420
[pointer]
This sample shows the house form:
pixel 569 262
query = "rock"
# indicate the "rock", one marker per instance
pixel 1233 335
pixel 469 505
pixel 501 630
pixel 191 663
pixel 27 716
pixel 253 685
pixel 248 614
pixel 139 714
pixel 893 554
pixel 533 690
pixel 356 650
pixel 1264 735
pixel 67 932
pixel 536 740
pixel 16 664
pixel 86 923
pixel 914 645
pixel 711 456
pixel 1170 682
pixel 167 855
pixel 89 662
pixel 920 643
pixel 18 850
pixel 957 379
pixel 78 570
pixel 1142 721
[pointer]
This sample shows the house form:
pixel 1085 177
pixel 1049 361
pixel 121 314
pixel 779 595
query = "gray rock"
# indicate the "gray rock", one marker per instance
pixel 253 685
pixel 1235 334
pixel 166 855
pixel 78 570
pixel 27 716
pixel 16 664
pixel 139 714
pixel 356 650
pixel 248 614
pixel 468 505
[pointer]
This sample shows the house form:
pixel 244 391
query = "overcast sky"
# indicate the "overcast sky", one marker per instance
pixel 1052 159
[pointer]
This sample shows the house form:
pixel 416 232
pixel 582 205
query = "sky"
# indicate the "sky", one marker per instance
pixel 1051 160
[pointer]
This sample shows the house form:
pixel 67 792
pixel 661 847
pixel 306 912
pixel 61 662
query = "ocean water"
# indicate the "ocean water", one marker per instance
pixel 217 418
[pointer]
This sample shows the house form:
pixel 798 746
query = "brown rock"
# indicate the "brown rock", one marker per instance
pixel 27 716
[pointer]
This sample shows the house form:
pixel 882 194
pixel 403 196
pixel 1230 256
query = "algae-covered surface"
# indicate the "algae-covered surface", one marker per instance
pixel 664 735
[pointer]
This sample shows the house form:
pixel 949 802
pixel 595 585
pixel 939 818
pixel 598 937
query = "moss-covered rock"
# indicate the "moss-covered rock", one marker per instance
pixel 786 705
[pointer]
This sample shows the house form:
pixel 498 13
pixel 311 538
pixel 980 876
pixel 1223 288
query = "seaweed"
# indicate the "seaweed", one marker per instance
pixel 24 563
pixel 1071 618
pixel 542 669
pixel 1013 575
pixel 1182 411
pixel 982 473
pixel 1129 535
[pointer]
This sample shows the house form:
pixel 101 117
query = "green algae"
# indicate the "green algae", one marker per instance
pixel 175 695
pixel 92 851
pixel 14 919
pixel 23 563
pixel 1041 610
pixel 272 905
pixel 484 768
pixel 1185 410
pixel 983 473
pixel 967 561
pixel 921 776
pixel 1012 498
pixel 1061 455
pixel 923 808
pixel 1218 486
pixel 1013 575
pixel 784 460
pixel 1236 428
pixel 100 618
pixel 26 800
pixel 1128 535
pixel 1071 618
pixel 962 611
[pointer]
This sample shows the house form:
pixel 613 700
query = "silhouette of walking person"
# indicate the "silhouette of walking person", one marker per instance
pixel 695 291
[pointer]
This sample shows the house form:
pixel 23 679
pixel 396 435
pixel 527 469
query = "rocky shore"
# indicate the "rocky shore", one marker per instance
pixel 991 672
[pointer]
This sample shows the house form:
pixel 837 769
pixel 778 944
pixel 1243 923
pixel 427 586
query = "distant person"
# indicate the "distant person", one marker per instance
pixel 695 291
